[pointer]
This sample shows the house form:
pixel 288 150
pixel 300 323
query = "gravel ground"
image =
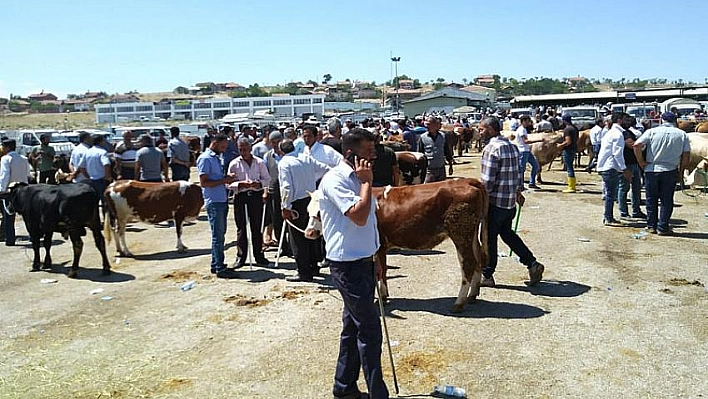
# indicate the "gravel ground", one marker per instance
pixel 616 316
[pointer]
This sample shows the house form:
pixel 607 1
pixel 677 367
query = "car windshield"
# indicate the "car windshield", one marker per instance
pixel 55 138
pixel 640 112
pixel 582 113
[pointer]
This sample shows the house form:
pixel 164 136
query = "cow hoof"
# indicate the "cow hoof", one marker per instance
pixel 182 250
pixel 472 299
pixel 47 266
pixel 457 308
pixel 36 266
pixel 71 274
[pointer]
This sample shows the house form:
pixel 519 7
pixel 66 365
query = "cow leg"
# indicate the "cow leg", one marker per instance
pixel 78 245
pixel 36 264
pixel 381 259
pixel 181 248
pixel 100 242
pixel 47 255
pixel 122 247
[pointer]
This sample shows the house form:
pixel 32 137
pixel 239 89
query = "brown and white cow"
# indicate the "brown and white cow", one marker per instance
pixel 152 203
pixel 423 216
pixel 412 166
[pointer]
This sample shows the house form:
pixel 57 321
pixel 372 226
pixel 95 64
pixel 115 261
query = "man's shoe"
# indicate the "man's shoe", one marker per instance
pixel 639 215
pixel 488 282
pixel 611 223
pixel 667 232
pixel 240 262
pixel 298 278
pixel 315 271
pixel 226 274
pixel 262 261
pixel 535 272
pixel 534 186
pixel 651 230
pixel 624 215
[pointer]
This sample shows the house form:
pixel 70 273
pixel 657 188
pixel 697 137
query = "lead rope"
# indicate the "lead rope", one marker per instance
pixel 4 205
pixel 296 215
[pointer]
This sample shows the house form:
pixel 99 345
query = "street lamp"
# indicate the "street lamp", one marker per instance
pixel 395 63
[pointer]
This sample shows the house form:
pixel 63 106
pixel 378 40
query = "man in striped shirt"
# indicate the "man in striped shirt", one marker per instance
pixel 504 182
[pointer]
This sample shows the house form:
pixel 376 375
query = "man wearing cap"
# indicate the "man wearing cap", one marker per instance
pixel 569 147
pixel 42 159
pixel 13 168
pixel 97 166
pixel 667 156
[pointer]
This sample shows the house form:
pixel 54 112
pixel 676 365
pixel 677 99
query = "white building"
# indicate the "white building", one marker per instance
pixel 214 108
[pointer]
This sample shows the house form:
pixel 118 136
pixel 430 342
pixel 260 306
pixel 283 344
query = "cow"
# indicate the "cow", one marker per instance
pixel 421 217
pixel 67 209
pixel 699 149
pixel 702 128
pixel 465 136
pixel 152 203
pixel 195 147
pixel 686 126
pixel 544 151
pixel 413 166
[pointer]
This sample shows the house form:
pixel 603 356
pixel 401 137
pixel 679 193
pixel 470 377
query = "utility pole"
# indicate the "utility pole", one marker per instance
pixel 397 85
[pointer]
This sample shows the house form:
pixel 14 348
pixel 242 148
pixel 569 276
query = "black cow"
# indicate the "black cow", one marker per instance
pixel 66 209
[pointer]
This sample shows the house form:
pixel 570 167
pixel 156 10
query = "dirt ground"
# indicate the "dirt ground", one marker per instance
pixel 615 316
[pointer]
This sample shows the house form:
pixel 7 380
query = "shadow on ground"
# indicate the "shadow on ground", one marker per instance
pixel 550 288
pixel 480 309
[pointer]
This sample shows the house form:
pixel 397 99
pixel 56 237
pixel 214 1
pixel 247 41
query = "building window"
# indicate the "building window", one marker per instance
pixel 222 105
pixel 202 105
pixel 107 110
pixel 183 106
pixel 317 101
pixel 124 109
pixel 301 101
pixel 261 103
pixel 142 108
pixel 241 104
pixel 163 107
pixel 282 102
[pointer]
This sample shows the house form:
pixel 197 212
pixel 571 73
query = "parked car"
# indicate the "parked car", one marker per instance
pixel 27 139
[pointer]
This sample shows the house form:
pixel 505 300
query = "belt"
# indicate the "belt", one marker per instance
pixel 251 193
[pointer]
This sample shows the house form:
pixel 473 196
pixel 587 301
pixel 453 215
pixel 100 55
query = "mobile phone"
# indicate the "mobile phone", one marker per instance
pixel 351 156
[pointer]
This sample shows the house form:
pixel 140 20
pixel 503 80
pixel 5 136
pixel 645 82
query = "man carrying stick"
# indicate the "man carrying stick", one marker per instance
pixel 504 182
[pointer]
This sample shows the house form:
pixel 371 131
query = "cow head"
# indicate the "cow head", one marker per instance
pixel 9 197
pixel 314 224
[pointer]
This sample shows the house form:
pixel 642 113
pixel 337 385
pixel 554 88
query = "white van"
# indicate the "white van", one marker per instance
pixel 28 139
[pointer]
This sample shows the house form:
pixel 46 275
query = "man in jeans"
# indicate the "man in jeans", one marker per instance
pixel 504 183
pixel 524 145
pixel 611 166
pixel 570 148
pixel 634 184
pixel 213 182
pixel 432 144
pixel 667 156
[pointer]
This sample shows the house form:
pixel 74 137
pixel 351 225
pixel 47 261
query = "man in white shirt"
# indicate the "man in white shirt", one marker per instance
pixel 595 139
pixel 524 145
pixel 611 164
pixel 13 168
pixel 323 153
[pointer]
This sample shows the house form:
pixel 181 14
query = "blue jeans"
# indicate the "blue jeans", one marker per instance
pixel 216 213
pixel 500 226
pixel 361 338
pixel 528 157
pixel 593 161
pixel 611 179
pixel 660 186
pixel 635 183
pixel 568 160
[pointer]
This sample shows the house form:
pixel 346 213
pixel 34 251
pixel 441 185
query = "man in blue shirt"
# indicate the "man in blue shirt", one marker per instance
pixel 668 151
pixel 213 182
pixel 348 212
pixel 97 166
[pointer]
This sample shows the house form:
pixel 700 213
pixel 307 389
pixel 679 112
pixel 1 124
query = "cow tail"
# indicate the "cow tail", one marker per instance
pixel 107 227
pixel 482 230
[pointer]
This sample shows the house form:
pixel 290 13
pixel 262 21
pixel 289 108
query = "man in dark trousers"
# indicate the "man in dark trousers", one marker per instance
pixel 348 212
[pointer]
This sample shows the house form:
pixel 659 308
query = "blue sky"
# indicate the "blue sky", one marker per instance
pixel 117 46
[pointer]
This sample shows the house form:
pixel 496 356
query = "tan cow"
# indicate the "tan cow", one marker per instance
pixel 699 149
pixel 702 128
pixel 686 126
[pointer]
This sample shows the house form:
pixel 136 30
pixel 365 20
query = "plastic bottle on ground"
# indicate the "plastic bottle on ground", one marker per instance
pixel 449 391
pixel 188 285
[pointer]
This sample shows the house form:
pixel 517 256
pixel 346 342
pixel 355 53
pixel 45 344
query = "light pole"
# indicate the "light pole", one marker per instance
pixel 395 63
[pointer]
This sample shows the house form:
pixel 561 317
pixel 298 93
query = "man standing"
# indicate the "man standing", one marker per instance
pixel 213 182
pixel 125 156
pixel 634 183
pixel 349 226
pixel 250 179
pixel 385 167
pixel 323 153
pixel 179 161
pixel 596 134
pixel 13 168
pixel 231 151
pixel 667 156
pixel 298 176
pixel 569 147
pixel 610 165
pixel 77 156
pixel 272 193
pixel 432 144
pixel 524 145
pixel 333 138
pixel 97 166
pixel 42 159
pixel 150 162
pixel 504 183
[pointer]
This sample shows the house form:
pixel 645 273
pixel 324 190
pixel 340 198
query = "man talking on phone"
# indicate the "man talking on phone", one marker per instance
pixel 348 212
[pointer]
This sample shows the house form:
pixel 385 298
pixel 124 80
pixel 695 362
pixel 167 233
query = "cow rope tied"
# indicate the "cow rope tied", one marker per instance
pixel 296 215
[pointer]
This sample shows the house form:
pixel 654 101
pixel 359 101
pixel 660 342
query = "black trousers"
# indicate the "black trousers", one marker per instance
pixel 254 201
pixel 179 172
pixel 277 219
pixel 499 225
pixel 306 252
pixel 47 177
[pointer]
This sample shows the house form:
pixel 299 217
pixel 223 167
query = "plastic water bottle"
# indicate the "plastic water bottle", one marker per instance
pixel 188 285
pixel 449 391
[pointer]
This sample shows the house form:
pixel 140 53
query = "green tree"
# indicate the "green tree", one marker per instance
pixel 326 78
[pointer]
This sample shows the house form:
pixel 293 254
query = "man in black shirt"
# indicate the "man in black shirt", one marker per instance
pixel 570 148
pixel 385 167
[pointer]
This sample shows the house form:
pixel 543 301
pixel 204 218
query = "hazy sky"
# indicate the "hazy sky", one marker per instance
pixel 117 46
